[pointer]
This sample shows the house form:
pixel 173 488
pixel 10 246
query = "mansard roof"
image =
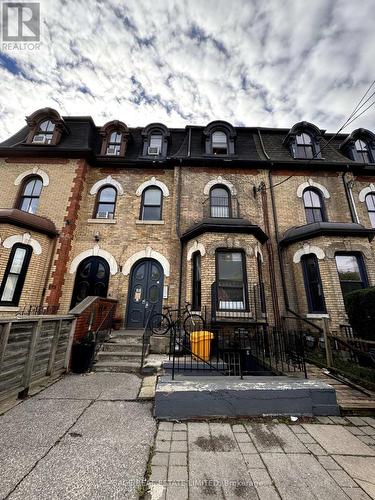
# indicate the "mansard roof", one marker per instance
pixel 81 137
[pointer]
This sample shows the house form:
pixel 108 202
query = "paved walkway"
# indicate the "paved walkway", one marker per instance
pixel 85 437
pixel 332 459
pixel 88 437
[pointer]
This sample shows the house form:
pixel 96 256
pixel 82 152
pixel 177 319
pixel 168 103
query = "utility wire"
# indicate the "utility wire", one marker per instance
pixel 349 120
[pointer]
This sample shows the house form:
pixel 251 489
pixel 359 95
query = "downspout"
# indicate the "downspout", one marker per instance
pixel 274 296
pixel 49 268
pixel 178 231
pixel 349 197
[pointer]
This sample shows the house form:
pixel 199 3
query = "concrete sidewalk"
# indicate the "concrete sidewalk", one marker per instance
pixel 84 437
pixel 89 437
pixel 332 459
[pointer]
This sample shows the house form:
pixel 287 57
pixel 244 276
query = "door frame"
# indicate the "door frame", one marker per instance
pixel 144 259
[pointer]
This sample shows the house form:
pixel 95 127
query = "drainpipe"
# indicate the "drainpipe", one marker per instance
pixel 349 197
pixel 178 231
pixel 49 268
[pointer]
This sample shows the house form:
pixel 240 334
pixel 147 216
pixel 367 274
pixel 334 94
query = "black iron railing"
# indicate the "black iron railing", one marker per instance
pixel 102 332
pixel 255 349
pixel 221 208
pixel 146 336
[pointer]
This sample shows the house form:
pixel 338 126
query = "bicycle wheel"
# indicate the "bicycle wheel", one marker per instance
pixel 160 324
pixel 193 323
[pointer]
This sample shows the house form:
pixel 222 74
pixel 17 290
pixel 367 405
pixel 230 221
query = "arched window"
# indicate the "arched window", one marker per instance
pixel 304 146
pixel 196 295
pixel 155 140
pixel 370 203
pixel 30 194
pixel 15 274
pixel 219 202
pixel 314 208
pixel 151 207
pixel 44 133
pixel 114 144
pixel 105 203
pixel 313 284
pixel 219 143
pixel 363 153
pixel 115 136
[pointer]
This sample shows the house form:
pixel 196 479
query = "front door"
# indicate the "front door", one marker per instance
pixel 145 291
pixel 91 279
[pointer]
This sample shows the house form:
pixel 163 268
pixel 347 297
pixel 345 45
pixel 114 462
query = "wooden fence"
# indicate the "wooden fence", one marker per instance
pixel 33 349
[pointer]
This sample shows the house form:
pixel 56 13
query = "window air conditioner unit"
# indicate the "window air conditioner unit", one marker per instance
pixel 153 150
pixel 40 139
pixel 112 150
pixel 104 215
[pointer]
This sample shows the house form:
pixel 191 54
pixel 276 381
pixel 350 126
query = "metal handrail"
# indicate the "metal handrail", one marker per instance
pixel 146 337
pixel 99 342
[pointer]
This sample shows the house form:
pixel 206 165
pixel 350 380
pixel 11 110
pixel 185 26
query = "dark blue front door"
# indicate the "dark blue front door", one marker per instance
pixel 145 291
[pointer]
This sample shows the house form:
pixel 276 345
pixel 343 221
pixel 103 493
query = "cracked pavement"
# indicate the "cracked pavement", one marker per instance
pixel 84 437
pixel 330 459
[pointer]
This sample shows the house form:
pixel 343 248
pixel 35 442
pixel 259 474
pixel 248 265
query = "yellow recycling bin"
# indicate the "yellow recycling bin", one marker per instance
pixel 201 344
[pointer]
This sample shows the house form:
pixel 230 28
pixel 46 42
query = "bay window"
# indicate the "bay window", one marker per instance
pixel 231 281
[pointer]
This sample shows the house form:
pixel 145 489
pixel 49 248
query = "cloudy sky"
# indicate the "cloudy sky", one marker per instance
pixel 250 62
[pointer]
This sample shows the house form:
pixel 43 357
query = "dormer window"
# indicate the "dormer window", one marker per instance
pixel 115 138
pixel 219 143
pixel 114 144
pixel 155 141
pixel 219 138
pixel 303 141
pixel 45 127
pixel 360 146
pixel 304 146
pixel 363 153
pixel 44 134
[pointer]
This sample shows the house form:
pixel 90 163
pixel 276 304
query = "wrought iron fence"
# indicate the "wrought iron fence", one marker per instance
pixel 146 336
pixel 256 349
pixel 351 356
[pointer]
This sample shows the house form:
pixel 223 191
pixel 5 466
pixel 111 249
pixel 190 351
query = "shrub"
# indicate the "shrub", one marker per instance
pixel 361 312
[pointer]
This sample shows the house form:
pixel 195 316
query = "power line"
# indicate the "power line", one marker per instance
pixel 349 120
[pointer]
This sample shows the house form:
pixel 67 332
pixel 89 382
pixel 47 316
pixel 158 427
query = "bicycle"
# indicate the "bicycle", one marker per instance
pixel 163 323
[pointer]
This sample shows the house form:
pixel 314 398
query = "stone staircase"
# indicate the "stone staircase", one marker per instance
pixel 122 353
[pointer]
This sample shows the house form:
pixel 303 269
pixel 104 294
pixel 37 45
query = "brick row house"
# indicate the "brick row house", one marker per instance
pixel 248 224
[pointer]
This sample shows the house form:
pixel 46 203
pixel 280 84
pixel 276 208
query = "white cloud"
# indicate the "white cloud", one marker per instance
pixel 258 63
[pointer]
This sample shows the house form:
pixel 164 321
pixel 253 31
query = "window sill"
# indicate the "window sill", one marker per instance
pixel 317 316
pixel 102 221
pixel 9 309
pixel 151 222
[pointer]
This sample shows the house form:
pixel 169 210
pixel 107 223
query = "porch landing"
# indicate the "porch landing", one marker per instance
pixel 198 397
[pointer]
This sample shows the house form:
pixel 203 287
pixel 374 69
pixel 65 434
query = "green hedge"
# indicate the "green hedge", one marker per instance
pixel 361 312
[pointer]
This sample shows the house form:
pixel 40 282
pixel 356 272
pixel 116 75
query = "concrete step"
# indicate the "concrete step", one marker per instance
pixel 109 356
pixel 130 335
pixel 121 345
pixel 213 397
pixel 119 366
